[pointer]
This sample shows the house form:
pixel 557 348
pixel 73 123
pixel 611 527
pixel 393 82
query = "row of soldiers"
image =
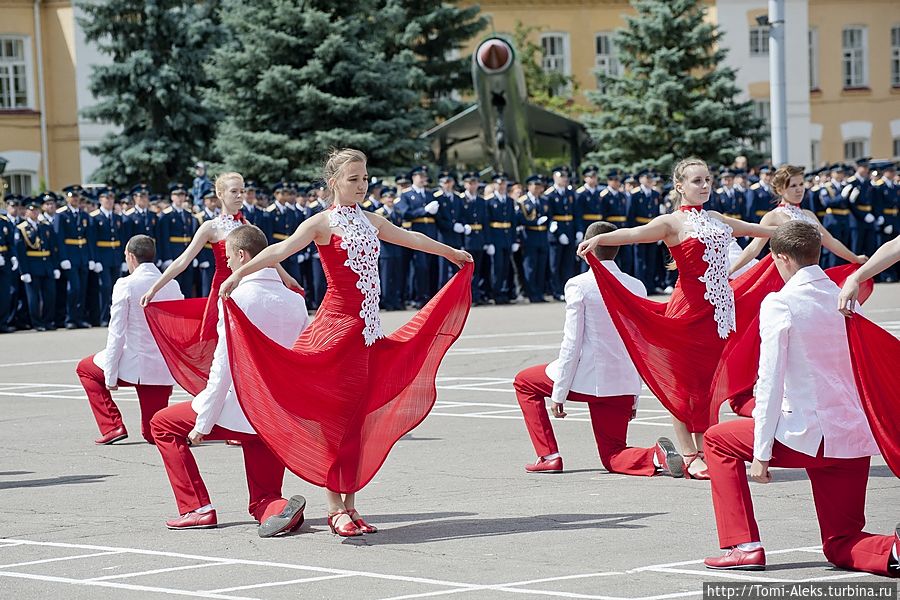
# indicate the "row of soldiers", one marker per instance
pixel 61 254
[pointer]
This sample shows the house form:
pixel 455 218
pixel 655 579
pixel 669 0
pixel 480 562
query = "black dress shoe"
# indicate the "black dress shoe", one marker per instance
pixel 84 325
pixel 71 326
pixel 104 323
pixel 289 519
pixel 51 327
pixel 40 328
pixel 7 329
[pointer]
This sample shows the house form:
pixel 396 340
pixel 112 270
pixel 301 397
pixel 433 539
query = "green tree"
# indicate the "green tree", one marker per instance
pixel 152 89
pixel 673 98
pixel 436 31
pixel 294 79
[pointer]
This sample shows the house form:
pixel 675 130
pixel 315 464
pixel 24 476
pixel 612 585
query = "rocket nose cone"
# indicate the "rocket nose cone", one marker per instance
pixel 494 55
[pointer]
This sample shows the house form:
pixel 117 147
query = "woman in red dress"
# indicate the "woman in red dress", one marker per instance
pixel 185 330
pixel 676 345
pixel 332 407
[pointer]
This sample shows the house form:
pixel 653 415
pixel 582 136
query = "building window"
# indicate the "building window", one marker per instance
pixel 897 147
pixel 895 56
pixel 555 47
pixel 13 73
pixel 854 69
pixel 762 109
pixel 605 57
pixel 856 148
pixel 18 183
pixel 813 59
pixel 815 153
pixel 759 41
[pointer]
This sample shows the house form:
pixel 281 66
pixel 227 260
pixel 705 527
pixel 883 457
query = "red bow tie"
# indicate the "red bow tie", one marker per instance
pixel 688 207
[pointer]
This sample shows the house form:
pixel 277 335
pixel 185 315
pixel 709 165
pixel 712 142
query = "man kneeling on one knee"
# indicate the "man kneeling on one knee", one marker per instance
pixel 593 367
pixel 808 415
pixel 215 414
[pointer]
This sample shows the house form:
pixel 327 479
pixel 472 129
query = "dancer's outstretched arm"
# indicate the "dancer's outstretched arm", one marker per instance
pixel 660 228
pixel 201 238
pixel 743 228
pixel 313 229
pixel 836 247
pixel 390 233
pixel 883 258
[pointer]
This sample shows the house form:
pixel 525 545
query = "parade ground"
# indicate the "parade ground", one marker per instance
pixel 457 513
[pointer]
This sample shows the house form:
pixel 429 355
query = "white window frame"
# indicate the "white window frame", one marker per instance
pixel 895 56
pixel 815 153
pixel 29 71
pixel 813 59
pixel 759 40
pixel 14 180
pixel 607 62
pixel 553 62
pixel 855 59
pixel 763 110
pixel 862 149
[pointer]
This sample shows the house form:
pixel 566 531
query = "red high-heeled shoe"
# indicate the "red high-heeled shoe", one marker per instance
pixel 347 530
pixel 360 523
pixel 699 475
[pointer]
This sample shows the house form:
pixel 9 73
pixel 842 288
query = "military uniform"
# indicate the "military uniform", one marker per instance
pixel 561 234
pixel 320 284
pixel 8 273
pixel 450 229
pixel 389 259
pixel 731 203
pixel 533 217
pixel 863 216
pixel 39 265
pixel 474 216
pixel 420 207
pixel 837 215
pixel 176 230
pixel 501 218
pixel 588 209
pixel 615 211
pixel 107 236
pixel 76 258
pixel 759 201
pixel 643 208
pixel 280 224
pixel 206 258
pixel 886 197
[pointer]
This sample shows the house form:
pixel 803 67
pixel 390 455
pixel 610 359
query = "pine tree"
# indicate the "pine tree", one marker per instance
pixel 673 97
pixel 152 90
pixel 436 31
pixel 295 79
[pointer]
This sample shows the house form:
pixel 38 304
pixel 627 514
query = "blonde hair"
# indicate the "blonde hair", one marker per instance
pixel 782 177
pixel 335 163
pixel 678 175
pixel 222 178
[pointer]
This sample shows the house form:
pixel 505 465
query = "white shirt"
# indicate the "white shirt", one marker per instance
pixel 280 314
pixel 806 392
pixel 131 353
pixel 592 358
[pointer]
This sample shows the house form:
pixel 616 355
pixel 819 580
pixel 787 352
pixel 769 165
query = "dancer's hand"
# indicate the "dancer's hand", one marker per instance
pixel 861 259
pixel 460 257
pixel 228 286
pixel 558 411
pixel 759 471
pixel 147 298
pixel 291 283
pixel 848 297
pixel 195 438
pixel 588 246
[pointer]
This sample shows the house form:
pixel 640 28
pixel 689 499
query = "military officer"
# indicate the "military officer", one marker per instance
pixel 563 232
pixel 76 258
pixel 281 223
pixel 316 205
pixel 206 259
pixel 729 201
pixel 643 208
pixel 106 236
pixel 389 260
pixel 474 217
pixel 533 217
pixel 176 229
pixel 886 197
pixel 837 210
pixel 250 210
pixel 450 228
pixel 140 219
pixel 863 219
pixel 588 204
pixel 759 198
pixel 39 264
pixel 615 210
pixel 419 206
pixel 501 216
pixel 9 271
pixel 373 197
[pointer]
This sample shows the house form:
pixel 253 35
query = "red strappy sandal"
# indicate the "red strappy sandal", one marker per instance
pixel 347 530
pixel 360 523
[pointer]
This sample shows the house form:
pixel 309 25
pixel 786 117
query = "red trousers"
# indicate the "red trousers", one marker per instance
pixel 609 420
pixel 152 398
pixel 838 489
pixel 265 473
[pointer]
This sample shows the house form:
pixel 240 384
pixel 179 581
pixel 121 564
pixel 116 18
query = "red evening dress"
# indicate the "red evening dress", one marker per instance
pixel 185 330
pixel 332 406
pixel 676 345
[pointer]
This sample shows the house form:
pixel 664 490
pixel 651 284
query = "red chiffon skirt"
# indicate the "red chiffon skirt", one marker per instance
pixel 874 353
pixel 677 349
pixel 331 407
pixel 737 371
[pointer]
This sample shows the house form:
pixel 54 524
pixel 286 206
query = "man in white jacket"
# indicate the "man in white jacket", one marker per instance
pixel 593 367
pixel 131 357
pixel 216 415
pixel 808 415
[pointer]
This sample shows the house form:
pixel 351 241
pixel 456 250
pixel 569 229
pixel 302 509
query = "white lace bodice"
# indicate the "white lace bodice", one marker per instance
pixel 360 241
pixel 225 224
pixel 716 237
pixel 796 214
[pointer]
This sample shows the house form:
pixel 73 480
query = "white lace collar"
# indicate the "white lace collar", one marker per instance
pixel 796 213
pixel 225 224
pixel 715 236
pixel 360 241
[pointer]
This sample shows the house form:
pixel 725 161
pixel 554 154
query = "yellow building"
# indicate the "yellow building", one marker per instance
pixel 843 87
pixel 44 67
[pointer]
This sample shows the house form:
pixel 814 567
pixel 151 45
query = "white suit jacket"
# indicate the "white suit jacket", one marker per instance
pixel 131 353
pixel 806 391
pixel 280 314
pixel 592 358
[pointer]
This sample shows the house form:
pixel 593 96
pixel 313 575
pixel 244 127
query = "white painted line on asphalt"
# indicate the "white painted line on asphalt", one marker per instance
pixel 58 559
pixel 501 349
pixel 122 586
pixel 278 583
pixel 564 578
pixel 519 417
pixel 700 560
pixel 722 574
pixel 484 336
pixel 155 571
pixel 430 594
pixel 42 362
